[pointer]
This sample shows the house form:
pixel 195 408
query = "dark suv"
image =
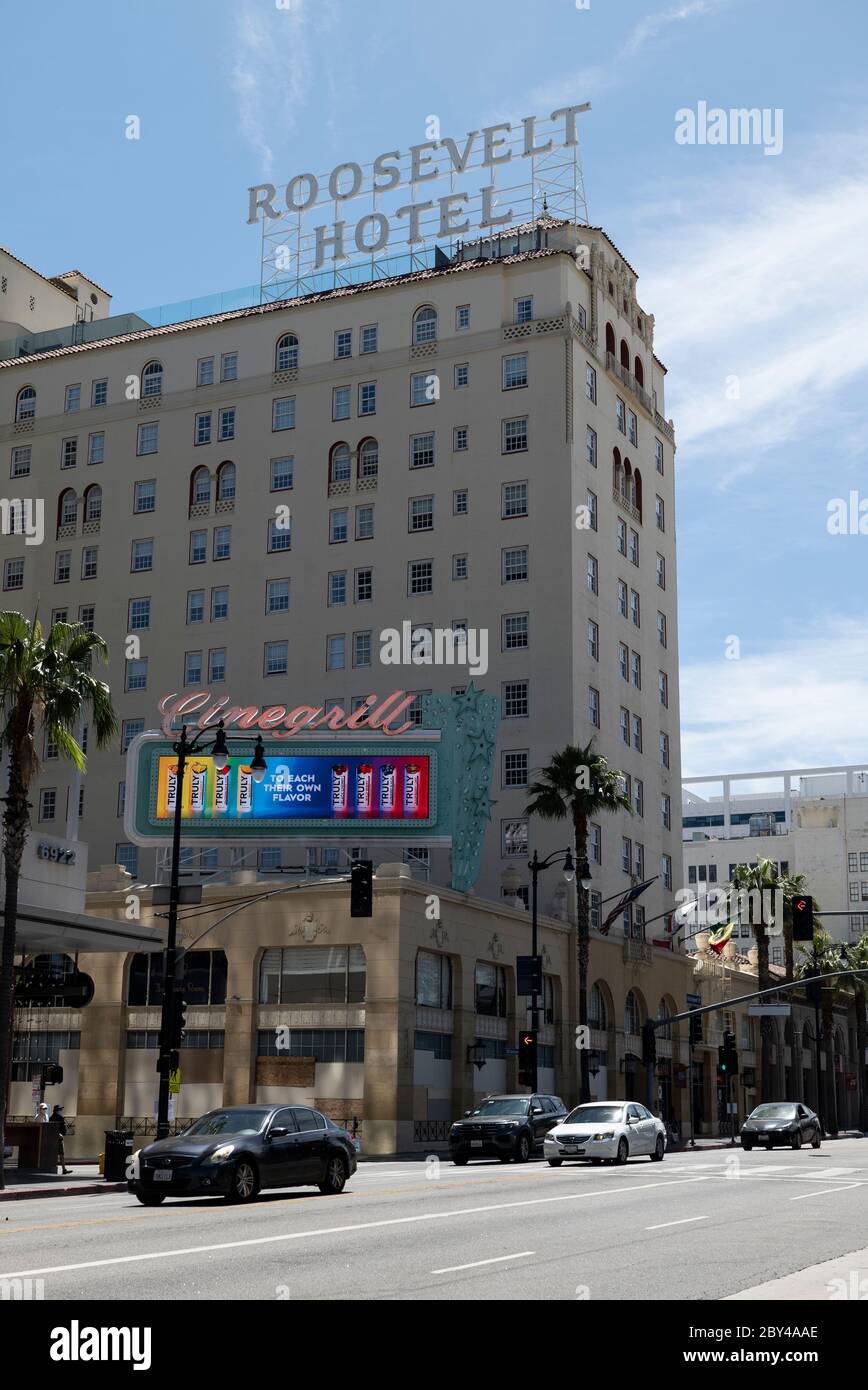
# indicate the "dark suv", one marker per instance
pixel 505 1127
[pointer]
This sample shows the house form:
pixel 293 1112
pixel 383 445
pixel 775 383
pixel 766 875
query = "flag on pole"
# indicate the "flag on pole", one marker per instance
pixel 719 938
pixel 629 897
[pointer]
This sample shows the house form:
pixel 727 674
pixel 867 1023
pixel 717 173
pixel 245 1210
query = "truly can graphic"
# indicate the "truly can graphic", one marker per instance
pixel 340 788
pixel 172 786
pixel 198 778
pixel 364 787
pixel 388 787
pixel 245 791
pixel 221 789
pixel 412 787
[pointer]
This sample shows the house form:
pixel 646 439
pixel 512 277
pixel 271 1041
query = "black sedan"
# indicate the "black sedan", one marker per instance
pixel 784 1122
pixel 238 1150
pixel 505 1127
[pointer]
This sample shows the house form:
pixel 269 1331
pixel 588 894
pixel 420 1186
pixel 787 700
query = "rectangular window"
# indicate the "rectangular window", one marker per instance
pixel 364 523
pixel 72 399
pixel 459 439
pixel 69 453
pixel 336 654
pixel 633 548
pixel 222 542
pixel 514 436
pixel 99 391
pixel 515 699
pixel 658 455
pixel 338 525
pixel 420 577
pixel 367 398
pixel 276 658
pixel 423 388
pixel 148 438
pixel 226 423
pixel 283 414
pixel 143 556
pixel 514 371
pixel 514 837
pixel 461 375
pixel 281 474
pixel 523 309
pixel 666 870
pixel 590 383
pixel 462 317
pixel 626 855
pixel 666 814
pixel 229 366
pixel 279 536
pixel 202 428
pixel 13 574
pixel 624 725
pixel 634 608
pixel 217 664
pixel 514 565
pixel 661 572
pixel 62 567
pixel 219 604
pixel 592 509
pixel 421 513
pixel 20 461
pixel 89 562
pixel 624 660
pixel 364 585
pixel 664 750
pixel 192 668
pixel 337 588
pixel 96 447
pixel 591 446
pixel 632 428
pixel 47 803
pixel 137 675
pixel 593 641
pixel 621 536
pixel 592 575
pixel 622 598
pixel 205 371
pixel 86 615
pixel 145 495
pixel 362 648
pixel 637 733
pixel 459 566
pixel 515 769
pixel 196 606
pixel 459 502
pixel 620 415
pixel 515 631
pixel 663 688
pixel 368 341
pixel 344 343
pixel 595 843
pixel 661 629
pixel 636 670
pixel 514 500
pixel 852 863
pixel 341 403
pixel 130 729
pixel 659 514
pixel 863 861
pixel 139 614
pixel 639 797
pixel 594 706
pixel 277 596
pixel 422 451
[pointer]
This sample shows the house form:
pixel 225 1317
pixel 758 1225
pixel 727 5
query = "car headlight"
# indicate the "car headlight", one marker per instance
pixel 604 1134
pixel 219 1155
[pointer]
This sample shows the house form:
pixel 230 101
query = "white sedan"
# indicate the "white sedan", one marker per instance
pixel 606 1131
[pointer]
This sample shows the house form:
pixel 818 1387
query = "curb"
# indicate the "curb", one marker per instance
pixel 82 1190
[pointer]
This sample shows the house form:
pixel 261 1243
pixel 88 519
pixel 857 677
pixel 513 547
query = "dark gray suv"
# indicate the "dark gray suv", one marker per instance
pixel 506 1127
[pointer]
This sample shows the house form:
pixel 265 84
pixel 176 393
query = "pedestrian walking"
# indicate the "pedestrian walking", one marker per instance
pixel 42 1113
pixel 58 1119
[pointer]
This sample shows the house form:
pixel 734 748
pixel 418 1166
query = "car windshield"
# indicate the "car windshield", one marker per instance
pixel 228 1122
pixel 595 1115
pixel 505 1105
pixel 774 1112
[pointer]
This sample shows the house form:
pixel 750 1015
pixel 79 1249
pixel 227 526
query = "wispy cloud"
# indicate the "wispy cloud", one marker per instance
pixel 652 25
pixel 763 711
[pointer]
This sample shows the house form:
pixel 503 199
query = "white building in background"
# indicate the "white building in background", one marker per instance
pixel 811 821
pixel 481 445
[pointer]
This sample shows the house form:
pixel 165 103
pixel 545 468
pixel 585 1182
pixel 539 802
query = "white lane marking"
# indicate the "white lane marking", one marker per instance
pixel 835 1172
pixel 498 1259
pixel 340 1230
pixel 842 1187
pixel 683 1222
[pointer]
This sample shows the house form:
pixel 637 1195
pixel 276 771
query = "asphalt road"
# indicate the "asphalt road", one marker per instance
pixel 697 1226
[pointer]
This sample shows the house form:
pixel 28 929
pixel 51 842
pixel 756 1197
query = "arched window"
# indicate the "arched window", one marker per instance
pixel 610 339
pixel 68 508
pixel 54 968
pixel 369 458
pixel 340 465
pixel 617 473
pixel 664 1011
pixel 597 1013
pixel 637 491
pixel 625 355
pixel 639 371
pixel 425 325
pixel 627 490
pixel 226 481
pixel 152 379
pixel 25 403
pixel 286 355
pixel 201 487
pixel 632 1014
pixel 93 503
pixel 204 978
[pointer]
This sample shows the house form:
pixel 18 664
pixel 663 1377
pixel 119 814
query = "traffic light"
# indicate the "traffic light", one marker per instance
pixel 813 990
pixel 803 918
pixel 362 888
pixel 527 1058
pixel 178 1020
pixel 649 1043
pixel 52 1074
pixel 695 1028
pixel 730 1053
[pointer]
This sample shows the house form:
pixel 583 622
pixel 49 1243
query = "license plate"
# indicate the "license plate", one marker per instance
pixel 162 1175
pixel 476 1143
pixel 571 1149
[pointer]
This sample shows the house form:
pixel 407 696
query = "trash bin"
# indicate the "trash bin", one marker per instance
pixel 118 1148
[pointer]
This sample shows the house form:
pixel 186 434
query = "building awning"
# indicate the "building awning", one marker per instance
pixel 49 929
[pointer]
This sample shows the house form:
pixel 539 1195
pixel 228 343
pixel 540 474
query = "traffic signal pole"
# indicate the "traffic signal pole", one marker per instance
pixel 171 951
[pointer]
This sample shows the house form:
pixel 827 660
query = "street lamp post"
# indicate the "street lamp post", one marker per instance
pixel 184 748
pixel 536 866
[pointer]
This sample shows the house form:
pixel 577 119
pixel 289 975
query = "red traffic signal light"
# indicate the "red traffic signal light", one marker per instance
pixel 527 1058
pixel 803 918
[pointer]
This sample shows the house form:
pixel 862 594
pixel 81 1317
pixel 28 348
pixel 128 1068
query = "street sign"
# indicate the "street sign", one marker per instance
pixel 769 1010
pixel 694 1000
pixel 511 1051
pixel 175 1082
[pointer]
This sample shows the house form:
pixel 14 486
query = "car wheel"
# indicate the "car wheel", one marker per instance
pixel 522 1148
pixel 796 1141
pixel 336 1175
pixel 659 1150
pixel 151 1199
pixel 459 1160
pixel 244 1183
pixel 555 1162
pixel 623 1151
pixel 747 1145
pixel 815 1142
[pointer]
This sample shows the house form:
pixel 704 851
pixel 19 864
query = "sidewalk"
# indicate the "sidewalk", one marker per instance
pixel 84 1180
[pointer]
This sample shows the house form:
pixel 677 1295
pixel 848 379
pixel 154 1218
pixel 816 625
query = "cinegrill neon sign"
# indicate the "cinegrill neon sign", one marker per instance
pixel 204 711
pixel 490 149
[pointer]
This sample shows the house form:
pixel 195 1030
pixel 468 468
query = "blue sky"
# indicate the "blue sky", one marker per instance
pixel 754 266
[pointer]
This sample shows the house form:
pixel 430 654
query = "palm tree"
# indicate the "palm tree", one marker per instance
pixel 45 681
pixel 857 959
pixel 578 784
pixel 824 958
pixel 761 877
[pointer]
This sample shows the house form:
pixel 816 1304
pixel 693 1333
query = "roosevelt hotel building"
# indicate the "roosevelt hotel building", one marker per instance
pixel 433 435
